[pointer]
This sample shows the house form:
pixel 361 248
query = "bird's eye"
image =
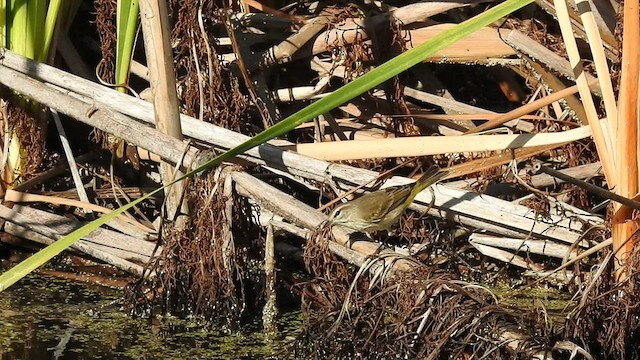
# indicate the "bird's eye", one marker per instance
pixel 337 213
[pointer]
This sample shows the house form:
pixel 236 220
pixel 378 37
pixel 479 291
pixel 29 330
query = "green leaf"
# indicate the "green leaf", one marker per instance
pixel 127 24
pixel 49 26
pixel 37 13
pixel 17 21
pixel 3 23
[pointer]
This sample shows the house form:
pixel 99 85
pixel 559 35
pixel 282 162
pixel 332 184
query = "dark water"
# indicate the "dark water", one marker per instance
pixel 49 318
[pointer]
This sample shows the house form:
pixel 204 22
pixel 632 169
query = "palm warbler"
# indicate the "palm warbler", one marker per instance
pixel 381 209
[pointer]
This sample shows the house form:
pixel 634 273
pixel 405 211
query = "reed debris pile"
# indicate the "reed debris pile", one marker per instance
pixel 279 111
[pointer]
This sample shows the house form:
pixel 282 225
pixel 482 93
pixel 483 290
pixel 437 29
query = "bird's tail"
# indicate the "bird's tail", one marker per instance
pixel 430 177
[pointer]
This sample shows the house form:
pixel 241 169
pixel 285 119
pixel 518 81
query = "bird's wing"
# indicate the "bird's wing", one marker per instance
pixel 382 208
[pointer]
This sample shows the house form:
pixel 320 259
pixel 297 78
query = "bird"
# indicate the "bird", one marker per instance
pixel 381 209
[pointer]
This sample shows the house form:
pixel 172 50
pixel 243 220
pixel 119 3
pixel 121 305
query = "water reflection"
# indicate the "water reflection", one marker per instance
pixel 49 318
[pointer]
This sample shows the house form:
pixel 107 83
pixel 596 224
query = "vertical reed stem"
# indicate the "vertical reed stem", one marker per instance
pixel 627 134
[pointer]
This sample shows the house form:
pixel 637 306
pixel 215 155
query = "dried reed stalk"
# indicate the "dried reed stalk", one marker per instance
pixel 601 134
pixel 525 109
pixel 600 61
pixel 432 145
pixel 157 39
pixel 627 136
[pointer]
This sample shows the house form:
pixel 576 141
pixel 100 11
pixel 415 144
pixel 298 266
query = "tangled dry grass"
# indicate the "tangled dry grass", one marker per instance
pixel 426 313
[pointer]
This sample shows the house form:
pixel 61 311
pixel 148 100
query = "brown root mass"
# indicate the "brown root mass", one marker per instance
pixel 105 11
pixel 30 127
pixel 106 29
pixel 207 90
pixel 607 321
pixel 425 313
pixel 204 270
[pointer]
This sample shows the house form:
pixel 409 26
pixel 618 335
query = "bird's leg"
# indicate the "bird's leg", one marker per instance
pixel 383 244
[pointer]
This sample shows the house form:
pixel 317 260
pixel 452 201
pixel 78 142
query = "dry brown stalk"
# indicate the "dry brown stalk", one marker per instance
pixel 552 60
pixel 627 135
pixel 481 45
pixel 162 78
pixel 601 134
pixel 432 145
pixel 602 68
pixel 16 196
pixel 525 109
pixel 87 248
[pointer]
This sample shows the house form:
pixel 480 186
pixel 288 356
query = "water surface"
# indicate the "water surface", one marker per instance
pixel 50 318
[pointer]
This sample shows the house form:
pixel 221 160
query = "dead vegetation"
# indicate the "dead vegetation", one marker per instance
pixel 422 313
pixel 499 109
